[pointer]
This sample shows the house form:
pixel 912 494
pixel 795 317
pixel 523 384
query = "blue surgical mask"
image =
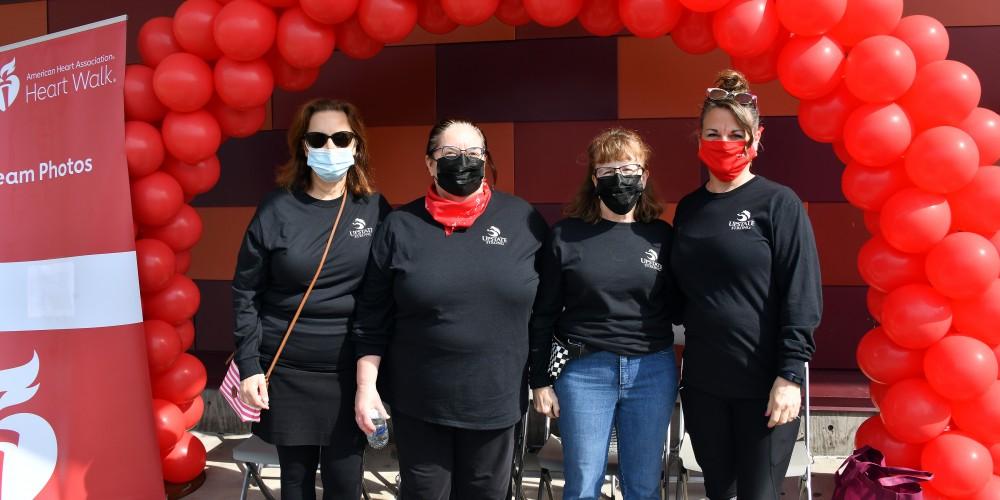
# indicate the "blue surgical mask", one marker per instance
pixel 331 165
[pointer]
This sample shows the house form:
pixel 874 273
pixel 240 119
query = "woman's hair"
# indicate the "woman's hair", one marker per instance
pixel 747 115
pixel 434 141
pixel 296 174
pixel 616 144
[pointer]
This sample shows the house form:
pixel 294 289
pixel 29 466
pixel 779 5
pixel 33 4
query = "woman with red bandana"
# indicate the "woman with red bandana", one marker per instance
pixel 745 260
pixel 446 301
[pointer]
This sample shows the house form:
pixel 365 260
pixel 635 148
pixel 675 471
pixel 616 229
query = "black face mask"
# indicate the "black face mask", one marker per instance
pixel 460 176
pixel 619 192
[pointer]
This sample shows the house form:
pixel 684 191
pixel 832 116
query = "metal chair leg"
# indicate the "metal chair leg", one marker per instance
pixel 245 489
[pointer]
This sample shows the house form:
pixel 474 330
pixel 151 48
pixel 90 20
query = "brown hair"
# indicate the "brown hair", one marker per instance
pixel 614 144
pixel 434 138
pixel 296 173
pixel 747 116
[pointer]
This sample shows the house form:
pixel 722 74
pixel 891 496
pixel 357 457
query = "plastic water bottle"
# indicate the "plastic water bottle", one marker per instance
pixel 380 437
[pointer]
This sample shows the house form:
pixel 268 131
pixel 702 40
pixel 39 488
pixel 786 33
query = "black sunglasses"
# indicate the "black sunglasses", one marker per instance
pixel 318 139
pixel 744 98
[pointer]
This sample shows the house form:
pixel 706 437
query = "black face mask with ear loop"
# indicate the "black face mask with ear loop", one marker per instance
pixel 619 192
pixel 460 176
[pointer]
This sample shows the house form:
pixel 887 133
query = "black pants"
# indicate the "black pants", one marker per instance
pixel 438 462
pixel 738 454
pixel 340 471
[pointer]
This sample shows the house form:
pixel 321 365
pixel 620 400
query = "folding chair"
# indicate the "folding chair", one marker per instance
pixel 251 456
pixel 800 466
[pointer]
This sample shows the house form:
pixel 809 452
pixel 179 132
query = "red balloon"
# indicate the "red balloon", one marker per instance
pixel 237 122
pixel 873 222
pixel 156 264
pixel 961 368
pixel 156 41
pixel 810 17
pixel 979 317
pixel 245 29
pixel 288 77
pixel 876 392
pixel 193 27
pixel 387 21
pixel 183 262
pixel 302 41
pixel 143 148
pixel 995 453
pixel 168 421
pixel 183 82
pixel 881 55
pixel 745 28
pixel 961 466
pixel 141 102
pixel 916 316
pixel 193 410
pixel 512 12
pixel 181 232
pixel 191 137
pixel 185 461
pixel 913 413
pixel 874 299
pixel 600 17
pixel 470 12
pixel 243 85
pixel 704 5
pixel 762 67
pixel 872 432
pixel 553 13
pixel 693 33
pixel 823 119
pixel 885 362
pixel 976 207
pixel 155 198
pixel 885 269
pixel 174 304
pixel 989 492
pixel 163 346
pixel 869 188
pixel 943 93
pixel 329 11
pixel 877 134
pixel 650 18
pixel 840 149
pixel 865 18
pixel 182 382
pixel 942 159
pixel 963 265
pixel 996 241
pixel 433 19
pixel 810 67
pixel 984 126
pixel 926 36
pixel 185 331
pixel 194 178
pixel 353 41
pixel 914 220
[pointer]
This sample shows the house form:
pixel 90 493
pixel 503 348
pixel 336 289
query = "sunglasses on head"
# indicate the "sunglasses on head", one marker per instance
pixel 743 98
pixel 317 140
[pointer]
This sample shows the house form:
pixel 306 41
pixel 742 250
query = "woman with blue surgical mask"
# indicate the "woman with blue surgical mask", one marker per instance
pixel 307 404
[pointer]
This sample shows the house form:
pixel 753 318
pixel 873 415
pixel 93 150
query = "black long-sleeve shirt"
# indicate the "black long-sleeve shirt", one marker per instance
pixel 747 266
pixel 606 285
pixel 279 255
pixel 450 313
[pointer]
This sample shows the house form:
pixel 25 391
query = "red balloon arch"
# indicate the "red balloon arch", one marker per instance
pixel 918 151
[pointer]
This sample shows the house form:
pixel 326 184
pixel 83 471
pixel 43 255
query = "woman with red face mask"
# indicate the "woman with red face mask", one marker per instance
pixel 745 260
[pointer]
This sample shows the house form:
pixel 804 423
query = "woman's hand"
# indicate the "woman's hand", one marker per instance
pixel 783 405
pixel 366 399
pixel 546 401
pixel 253 391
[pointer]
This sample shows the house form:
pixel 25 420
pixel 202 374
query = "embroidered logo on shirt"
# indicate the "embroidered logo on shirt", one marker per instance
pixel 361 229
pixel 743 221
pixel 493 236
pixel 650 260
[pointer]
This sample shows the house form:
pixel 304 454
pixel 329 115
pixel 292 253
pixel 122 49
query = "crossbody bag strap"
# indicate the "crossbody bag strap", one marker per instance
pixel 305 296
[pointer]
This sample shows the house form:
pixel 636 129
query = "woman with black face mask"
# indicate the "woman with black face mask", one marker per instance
pixel 606 295
pixel 446 301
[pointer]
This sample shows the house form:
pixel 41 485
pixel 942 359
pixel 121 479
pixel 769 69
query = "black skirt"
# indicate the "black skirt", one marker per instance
pixel 310 408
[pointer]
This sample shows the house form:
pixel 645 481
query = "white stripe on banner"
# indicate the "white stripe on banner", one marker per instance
pixel 87 291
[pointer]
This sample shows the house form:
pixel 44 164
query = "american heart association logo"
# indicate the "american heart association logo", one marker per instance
pixel 10 85
pixel 29 463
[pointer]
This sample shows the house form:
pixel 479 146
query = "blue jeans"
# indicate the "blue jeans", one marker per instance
pixel 636 394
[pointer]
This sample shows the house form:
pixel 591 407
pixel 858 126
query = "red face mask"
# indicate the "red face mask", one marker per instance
pixel 726 159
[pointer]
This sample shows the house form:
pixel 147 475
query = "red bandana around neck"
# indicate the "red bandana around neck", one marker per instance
pixel 456 214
